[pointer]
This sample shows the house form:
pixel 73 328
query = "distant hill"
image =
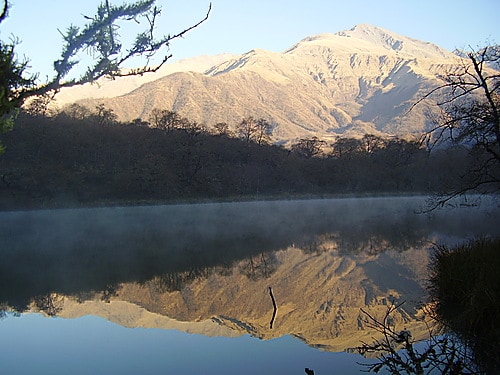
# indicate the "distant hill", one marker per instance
pixel 106 88
pixel 350 83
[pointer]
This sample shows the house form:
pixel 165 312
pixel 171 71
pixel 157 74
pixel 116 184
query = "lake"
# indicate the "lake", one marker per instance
pixel 250 287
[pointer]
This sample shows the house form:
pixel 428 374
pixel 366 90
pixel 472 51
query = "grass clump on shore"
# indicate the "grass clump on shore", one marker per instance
pixel 465 289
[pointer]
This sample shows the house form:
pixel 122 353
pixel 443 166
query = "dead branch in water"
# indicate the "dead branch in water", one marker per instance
pixel 274 306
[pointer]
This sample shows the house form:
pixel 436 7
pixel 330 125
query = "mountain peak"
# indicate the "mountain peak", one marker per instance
pixel 376 36
pixel 365 29
pixel 392 41
pixel 366 38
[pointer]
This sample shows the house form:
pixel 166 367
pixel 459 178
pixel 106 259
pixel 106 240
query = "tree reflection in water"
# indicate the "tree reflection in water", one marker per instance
pixel 50 304
pixel 325 258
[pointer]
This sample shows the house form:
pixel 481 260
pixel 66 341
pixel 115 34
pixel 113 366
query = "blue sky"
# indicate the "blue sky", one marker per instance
pixel 237 26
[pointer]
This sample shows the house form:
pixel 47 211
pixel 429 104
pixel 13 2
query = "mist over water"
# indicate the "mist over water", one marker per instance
pixel 76 249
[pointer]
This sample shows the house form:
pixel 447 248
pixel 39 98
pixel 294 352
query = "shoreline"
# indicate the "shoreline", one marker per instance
pixel 62 205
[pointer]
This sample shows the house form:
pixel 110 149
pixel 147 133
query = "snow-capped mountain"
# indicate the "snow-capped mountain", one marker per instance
pixel 354 82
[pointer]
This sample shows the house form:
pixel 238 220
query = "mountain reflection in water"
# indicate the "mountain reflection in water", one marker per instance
pixel 207 268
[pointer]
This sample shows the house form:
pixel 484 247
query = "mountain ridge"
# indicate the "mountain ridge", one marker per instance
pixel 104 87
pixel 363 80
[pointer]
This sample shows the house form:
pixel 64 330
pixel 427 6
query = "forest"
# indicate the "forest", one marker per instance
pixel 83 158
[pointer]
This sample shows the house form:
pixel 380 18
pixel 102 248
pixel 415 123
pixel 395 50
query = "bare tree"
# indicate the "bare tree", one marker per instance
pixel 247 129
pixel 347 147
pixel 38 105
pixel 263 132
pixel 77 111
pixel 469 102
pixel 165 119
pixel 222 129
pixel 309 147
pixel 373 142
pixel 100 38
pixel 104 116
pixel 252 130
pixel 397 353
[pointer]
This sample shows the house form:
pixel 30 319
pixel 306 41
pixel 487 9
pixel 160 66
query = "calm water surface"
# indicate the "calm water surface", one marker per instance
pixel 186 288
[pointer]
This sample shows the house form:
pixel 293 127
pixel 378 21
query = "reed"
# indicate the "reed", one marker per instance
pixel 465 290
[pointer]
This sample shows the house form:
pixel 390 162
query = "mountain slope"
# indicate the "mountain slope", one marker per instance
pixel 106 88
pixel 359 81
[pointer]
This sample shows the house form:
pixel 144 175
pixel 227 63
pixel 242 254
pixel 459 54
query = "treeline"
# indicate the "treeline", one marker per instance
pixel 74 159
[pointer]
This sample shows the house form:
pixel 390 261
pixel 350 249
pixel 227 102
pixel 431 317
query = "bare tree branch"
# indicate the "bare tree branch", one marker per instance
pixel 469 117
pixel 107 47
pixel 397 354
pixel 3 14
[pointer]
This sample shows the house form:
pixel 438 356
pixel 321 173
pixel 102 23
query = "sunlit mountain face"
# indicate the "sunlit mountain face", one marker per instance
pixel 354 82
